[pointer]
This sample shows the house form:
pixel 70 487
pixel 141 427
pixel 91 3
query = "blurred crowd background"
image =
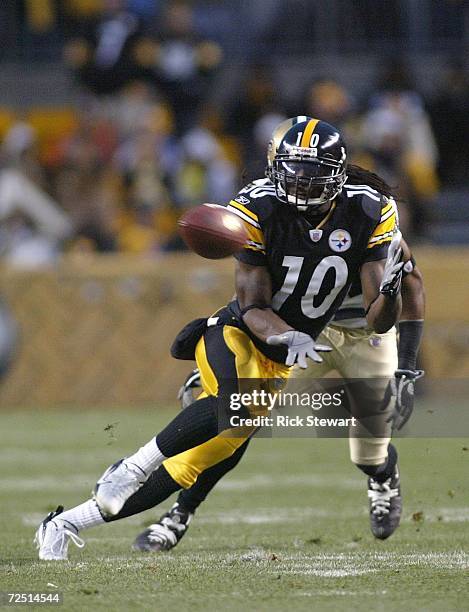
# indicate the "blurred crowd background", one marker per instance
pixel 117 115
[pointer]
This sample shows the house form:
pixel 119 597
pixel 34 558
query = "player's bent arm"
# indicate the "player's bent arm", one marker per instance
pixel 413 291
pixel 254 286
pixel 382 311
pixel 412 315
pixel 413 297
pixel 410 335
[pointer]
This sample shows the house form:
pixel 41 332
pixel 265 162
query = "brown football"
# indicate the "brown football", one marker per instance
pixel 212 231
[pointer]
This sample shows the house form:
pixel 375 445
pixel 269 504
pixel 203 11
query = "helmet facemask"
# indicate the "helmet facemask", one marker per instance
pixel 304 182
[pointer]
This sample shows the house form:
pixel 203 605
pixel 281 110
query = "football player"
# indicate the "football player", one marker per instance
pixel 309 237
pixel 357 353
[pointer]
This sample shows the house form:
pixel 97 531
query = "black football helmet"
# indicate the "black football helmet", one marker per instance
pixel 306 162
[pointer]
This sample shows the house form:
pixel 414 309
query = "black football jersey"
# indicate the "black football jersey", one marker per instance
pixel 312 266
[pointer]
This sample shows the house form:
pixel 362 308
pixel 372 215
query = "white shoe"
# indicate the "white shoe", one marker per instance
pixel 116 485
pixel 53 536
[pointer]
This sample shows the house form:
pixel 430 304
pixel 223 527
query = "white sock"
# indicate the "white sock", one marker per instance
pixel 83 516
pixel 147 458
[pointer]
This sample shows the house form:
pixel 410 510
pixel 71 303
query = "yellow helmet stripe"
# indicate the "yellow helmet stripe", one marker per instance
pixel 308 132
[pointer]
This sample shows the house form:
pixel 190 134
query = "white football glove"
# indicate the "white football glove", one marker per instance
pixel 300 346
pixel 392 275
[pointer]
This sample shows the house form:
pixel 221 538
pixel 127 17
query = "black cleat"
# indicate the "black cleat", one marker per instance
pixel 385 505
pixel 166 533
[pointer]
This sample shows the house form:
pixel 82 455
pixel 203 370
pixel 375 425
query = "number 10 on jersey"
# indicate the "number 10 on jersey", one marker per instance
pixel 295 265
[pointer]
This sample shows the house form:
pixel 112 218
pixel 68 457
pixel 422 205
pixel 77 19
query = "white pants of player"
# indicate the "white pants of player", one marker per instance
pixel 360 354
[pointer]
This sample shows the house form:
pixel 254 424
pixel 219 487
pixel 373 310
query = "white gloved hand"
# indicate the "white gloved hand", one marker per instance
pixel 300 346
pixel 392 275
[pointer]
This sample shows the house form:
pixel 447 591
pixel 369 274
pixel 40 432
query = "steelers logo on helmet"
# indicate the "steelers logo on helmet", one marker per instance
pixel 340 240
pixel 306 162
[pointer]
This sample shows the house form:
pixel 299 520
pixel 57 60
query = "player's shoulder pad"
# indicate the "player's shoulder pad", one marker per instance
pixel 367 199
pixel 256 201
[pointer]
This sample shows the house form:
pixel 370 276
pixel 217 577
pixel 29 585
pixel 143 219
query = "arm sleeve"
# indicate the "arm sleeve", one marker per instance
pixel 254 251
pixel 381 237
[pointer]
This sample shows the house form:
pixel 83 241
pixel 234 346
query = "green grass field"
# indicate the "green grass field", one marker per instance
pixel 288 529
